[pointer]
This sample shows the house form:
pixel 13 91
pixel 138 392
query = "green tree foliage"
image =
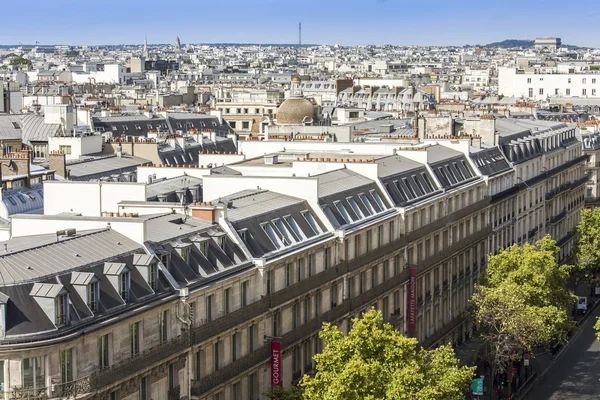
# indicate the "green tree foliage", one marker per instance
pixel 522 301
pixel 597 328
pixel 281 393
pixel 20 61
pixel 375 362
pixel 587 253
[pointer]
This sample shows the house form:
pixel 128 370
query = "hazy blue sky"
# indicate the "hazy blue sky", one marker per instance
pixel 346 22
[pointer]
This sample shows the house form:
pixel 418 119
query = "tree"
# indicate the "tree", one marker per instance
pixel 587 251
pixel 281 393
pixel 597 328
pixel 20 61
pixel 375 361
pixel 522 302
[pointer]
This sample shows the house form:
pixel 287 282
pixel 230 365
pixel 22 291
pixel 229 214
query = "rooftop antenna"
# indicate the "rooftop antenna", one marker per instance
pixel 300 34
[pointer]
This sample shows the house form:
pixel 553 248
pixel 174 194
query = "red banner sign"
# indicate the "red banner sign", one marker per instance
pixel 275 364
pixel 412 301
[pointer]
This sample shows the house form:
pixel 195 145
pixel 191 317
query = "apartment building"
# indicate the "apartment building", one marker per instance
pixel 166 300
pixel 539 84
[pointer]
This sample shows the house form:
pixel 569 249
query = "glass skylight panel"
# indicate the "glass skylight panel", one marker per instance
pixel 467 171
pixel 311 222
pixel 449 175
pixel 291 222
pixel 271 234
pixel 427 182
pixel 282 229
pixel 417 187
pixel 378 200
pixel 458 172
pixel 410 188
pixel 342 210
pixel 334 221
pixel 366 203
pixel 355 207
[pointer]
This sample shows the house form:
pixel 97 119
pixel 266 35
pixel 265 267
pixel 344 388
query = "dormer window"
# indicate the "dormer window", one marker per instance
pixel 203 248
pixel 164 259
pixel 61 309
pixel 185 254
pixel 153 276
pixel 93 295
pixel 124 285
pixel 222 242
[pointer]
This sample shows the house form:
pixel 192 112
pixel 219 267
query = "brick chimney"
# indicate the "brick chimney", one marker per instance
pixel 58 163
pixel 14 165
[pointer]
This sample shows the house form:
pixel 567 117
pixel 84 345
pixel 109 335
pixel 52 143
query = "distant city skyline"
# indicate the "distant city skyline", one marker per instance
pixel 397 22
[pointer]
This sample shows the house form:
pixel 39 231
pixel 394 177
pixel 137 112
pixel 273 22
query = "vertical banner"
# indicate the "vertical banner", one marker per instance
pixel 275 364
pixel 412 301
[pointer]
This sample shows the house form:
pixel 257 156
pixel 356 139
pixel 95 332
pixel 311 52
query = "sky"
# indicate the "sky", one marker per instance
pixel 344 22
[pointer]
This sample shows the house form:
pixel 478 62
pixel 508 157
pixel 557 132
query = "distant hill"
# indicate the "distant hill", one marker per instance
pixel 516 43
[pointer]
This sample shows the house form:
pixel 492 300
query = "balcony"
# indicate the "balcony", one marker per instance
pixel 59 391
pixel 554 192
pixel 557 218
pixel 146 359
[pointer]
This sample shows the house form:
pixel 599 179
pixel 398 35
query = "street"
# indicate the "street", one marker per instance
pixel 577 376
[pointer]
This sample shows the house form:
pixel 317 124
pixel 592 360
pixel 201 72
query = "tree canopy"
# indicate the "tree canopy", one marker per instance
pixel 523 301
pixel 20 61
pixel 374 361
pixel 587 253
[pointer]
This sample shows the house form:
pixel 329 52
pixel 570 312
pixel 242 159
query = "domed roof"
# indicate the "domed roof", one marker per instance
pixel 293 111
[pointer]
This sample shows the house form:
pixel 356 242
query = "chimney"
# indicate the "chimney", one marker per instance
pixel 119 151
pixel 205 212
pixel 58 163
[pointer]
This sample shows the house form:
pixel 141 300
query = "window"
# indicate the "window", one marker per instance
pixel 152 275
pixel 333 295
pixel 234 347
pixel 288 275
pixel 209 306
pixel 528 80
pixel 251 337
pixel 269 282
pixel 124 283
pixel 276 323
pixel 172 376
pixel 568 92
pixel 216 355
pixel 530 92
pixel 326 258
pixel 93 295
pixel 310 264
pixel 185 252
pixel 593 92
pixel 369 239
pixel 583 92
pixel 244 294
pixel 541 91
pixel 245 125
pixel 134 339
pixel 144 388
pixel 353 114
pixel 203 248
pixel 227 295
pixel 317 303
pixel 257 111
pixel 65 149
pixel 33 372
pixel 295 316
pixel 379 235
pixel 584 81
pixel 311 222
pixel 252 387
pixel 163 324
pixel 569 80
pixel 103 361
pixel 66 365
pixel 556 92
pixel 61 304
pixel 39 151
